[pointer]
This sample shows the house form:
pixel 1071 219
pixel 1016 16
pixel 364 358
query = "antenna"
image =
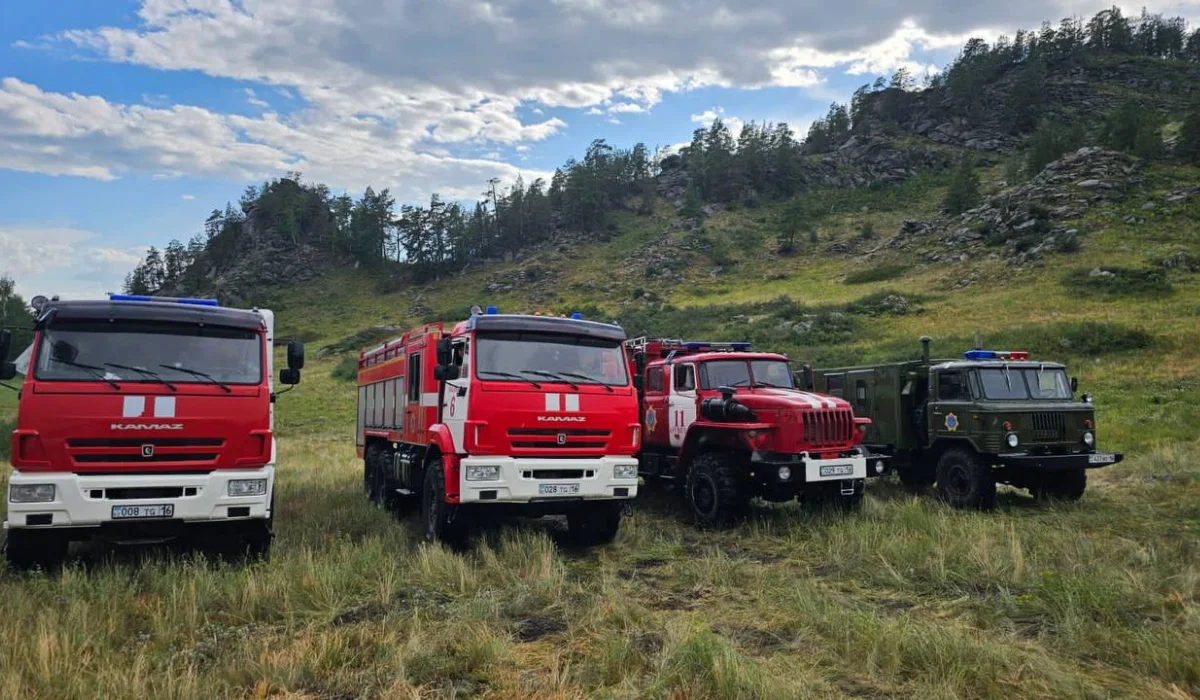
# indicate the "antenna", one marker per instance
pixel 978 339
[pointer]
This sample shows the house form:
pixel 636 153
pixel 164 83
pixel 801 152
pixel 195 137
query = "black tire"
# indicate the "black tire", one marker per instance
pixel 714 490
pixel 963 481
pixel 27 550
pixel 1067 485
pixel 916 477
pixel 369 476
pixel 437 516
pixel 257 539
pixel 595 523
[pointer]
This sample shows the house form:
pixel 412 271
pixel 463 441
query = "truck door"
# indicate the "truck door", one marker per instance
pixel 414 417
pixel 682 402
pixel 950 413
pixel 454 400
pixel 656 418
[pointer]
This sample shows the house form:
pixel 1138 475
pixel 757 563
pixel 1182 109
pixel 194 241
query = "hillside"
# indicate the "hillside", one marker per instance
pixel 1086 251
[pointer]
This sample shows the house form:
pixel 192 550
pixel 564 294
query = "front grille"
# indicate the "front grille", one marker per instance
pixel 828 428
pixel 558 439
pixel 121 458
pixel 138 442
pixel 142 493
pixel 557 473
pixel 1049 427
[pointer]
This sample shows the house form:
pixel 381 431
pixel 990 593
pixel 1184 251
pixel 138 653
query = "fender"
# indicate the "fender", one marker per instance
pixel 442 441
pixel 727 432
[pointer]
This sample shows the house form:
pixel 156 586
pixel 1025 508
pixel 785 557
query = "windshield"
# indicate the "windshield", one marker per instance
pixel 1024 384
pixel 88 351
pixel 719 373
pixel 543 357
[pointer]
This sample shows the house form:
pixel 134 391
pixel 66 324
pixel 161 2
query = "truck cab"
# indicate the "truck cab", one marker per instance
pixel 966 424
pixel 501 414
pixel 144 419
pixel 730 425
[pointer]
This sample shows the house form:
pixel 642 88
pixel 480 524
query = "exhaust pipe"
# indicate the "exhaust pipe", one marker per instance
pixel 925 341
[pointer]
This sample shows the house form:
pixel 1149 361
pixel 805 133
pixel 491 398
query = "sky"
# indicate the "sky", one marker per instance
pixel 124 122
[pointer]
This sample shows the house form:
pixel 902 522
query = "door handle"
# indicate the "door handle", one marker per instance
pixel 462 391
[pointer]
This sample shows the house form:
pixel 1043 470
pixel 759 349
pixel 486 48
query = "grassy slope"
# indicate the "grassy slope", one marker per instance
pixel 905 599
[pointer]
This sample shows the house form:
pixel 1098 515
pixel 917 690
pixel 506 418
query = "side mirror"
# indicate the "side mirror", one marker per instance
pixel 295 356
pixel 8 370
pixel 810 381
pixel 446 373
pixel 1074 384
pixel 443 351
pixel 289 376
pixel 62 351
pixel 5 344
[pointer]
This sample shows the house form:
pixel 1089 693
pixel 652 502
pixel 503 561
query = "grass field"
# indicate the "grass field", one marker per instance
pixel 905 599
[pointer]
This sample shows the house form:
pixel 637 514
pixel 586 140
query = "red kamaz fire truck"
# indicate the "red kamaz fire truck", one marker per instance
pixel 144 419
pixel 731 425
pixel 501 413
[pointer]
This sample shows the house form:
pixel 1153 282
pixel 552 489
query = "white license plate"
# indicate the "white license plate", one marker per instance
pixel 558 489
pixel 132 512
pixel 1101 459
pixel 837 470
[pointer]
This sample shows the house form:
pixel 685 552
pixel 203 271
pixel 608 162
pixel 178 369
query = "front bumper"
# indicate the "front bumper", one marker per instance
pixel 805 469
pixel 1086 460
pixel 528 480
pixel 82 501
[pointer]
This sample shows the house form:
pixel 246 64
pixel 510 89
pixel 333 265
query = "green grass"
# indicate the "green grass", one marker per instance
pixel 879 273
pixel 905 599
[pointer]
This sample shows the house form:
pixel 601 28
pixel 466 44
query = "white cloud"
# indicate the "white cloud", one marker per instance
pixel 187 197
pixel 707 116
pixel 65 261
pixel 253 99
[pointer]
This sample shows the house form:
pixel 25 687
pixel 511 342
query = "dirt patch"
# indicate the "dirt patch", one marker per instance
pixel 648 563
pixel 532 629
pixel 359 613
pixel 755 640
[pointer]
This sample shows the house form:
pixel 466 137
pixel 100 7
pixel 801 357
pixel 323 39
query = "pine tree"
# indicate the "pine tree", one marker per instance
pixel 964 187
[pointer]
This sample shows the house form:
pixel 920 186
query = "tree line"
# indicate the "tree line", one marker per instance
pixel 763 161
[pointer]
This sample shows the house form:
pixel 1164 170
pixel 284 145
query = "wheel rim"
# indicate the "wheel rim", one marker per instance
pixel 960 483
pixel 704 496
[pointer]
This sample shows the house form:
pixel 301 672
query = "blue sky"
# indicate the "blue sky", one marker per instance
pixel 123 122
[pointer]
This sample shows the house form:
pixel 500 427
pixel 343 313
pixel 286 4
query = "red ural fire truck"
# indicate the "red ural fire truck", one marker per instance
pixel 501 413
pixel 144 419
pixel 731 425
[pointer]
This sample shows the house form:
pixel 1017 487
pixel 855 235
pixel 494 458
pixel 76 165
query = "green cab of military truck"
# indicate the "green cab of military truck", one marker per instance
pixel 969 423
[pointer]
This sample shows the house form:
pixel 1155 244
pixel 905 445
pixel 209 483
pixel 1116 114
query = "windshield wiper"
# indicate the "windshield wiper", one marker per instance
pixel 202 375
pixel 97 372
pixel 587 379
pixel 552 375
pixel 510 375
pixel 144 372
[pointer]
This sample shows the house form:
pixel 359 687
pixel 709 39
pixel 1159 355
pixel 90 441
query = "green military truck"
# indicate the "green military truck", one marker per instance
pixel 968 424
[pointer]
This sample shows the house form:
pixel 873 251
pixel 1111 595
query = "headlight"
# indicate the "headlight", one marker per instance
pixel 1012 440
pixel 483 472
pixel 1089 439
pixel 880 466
pixel 625 471
pixel 30 493
pixel 247 487
pixel 785 473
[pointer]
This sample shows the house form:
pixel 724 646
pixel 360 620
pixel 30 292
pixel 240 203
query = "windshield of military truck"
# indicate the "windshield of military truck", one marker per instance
pixel 542 357
pixel 718 373
pixel 1025 384
pixel 153 352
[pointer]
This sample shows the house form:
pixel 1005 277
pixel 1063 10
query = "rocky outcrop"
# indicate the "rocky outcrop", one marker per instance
pixel 1023 223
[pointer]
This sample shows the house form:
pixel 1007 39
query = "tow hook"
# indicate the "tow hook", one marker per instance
pixel 848 487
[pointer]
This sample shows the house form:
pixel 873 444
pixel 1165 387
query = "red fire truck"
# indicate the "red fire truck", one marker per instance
pixel 144 419
pixel 731 425
pixel 501 413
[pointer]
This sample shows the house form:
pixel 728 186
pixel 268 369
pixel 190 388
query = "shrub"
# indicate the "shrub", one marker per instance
pixel 346 369
pixel 1049 143
pixel 867 231
pixel 879 273
pixel 1116 282
pixel 1188 145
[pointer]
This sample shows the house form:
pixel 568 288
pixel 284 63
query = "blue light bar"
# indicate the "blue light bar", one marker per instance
pixel 740 346
pixel 492 311
pixel 170 300
pixel 577 316
pixel 980 354
pixel 697 345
